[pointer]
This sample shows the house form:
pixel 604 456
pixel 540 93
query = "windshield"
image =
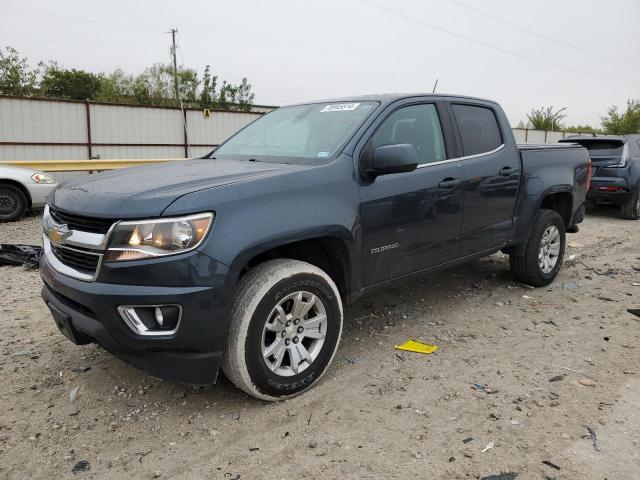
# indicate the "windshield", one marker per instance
pixel 305 134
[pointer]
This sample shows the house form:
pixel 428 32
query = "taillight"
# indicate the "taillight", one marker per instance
pixel 589 173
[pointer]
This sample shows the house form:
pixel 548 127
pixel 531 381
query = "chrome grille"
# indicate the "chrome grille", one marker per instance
pixel 79 259
pixel 78 222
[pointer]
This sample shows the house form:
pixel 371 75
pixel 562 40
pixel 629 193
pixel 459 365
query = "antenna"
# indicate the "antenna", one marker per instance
pixel 434 86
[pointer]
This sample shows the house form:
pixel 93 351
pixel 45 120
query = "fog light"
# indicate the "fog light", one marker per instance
pixel 152 320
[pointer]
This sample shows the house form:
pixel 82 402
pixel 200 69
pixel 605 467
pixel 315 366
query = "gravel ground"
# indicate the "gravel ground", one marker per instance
pixel 378 413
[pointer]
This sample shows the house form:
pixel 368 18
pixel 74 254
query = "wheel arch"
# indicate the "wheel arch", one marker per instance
pixel 332 253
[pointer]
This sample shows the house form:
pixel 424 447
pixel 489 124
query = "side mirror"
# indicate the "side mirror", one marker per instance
pixel 388 159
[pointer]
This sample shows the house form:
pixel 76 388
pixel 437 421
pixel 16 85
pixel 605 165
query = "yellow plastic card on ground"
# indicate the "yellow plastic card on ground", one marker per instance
pixel 418 347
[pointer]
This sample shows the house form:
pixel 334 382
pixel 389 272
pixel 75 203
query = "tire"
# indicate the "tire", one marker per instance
pixel 527 268
pixel 256 327
pixel 631 209
pixel 13 203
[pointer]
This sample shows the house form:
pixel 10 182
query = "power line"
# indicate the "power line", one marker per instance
pixel 90 44
pixel 83 21
pixel 494 47
pixel 541 35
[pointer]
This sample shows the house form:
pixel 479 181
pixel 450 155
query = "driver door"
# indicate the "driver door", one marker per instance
pixel 411 221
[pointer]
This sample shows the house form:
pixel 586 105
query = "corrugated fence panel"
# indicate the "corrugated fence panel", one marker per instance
pixel 520 134
pixel 197 152
pixel 42 121
pixel 217 127
pixel 122 124
pixel 48 152
pixel 109 152
pixel 536 136
pixel 553 137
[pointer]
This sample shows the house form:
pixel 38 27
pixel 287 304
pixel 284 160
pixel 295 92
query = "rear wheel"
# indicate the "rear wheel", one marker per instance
pixel 631 209
pixel 544 252
pixel 285 330
pixel 13 203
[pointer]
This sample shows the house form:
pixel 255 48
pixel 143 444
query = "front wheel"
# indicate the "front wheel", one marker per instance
pixel 544 252
pixel 631 209
pixel 286 324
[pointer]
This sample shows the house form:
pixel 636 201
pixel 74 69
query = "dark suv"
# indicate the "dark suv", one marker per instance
pixel 616 171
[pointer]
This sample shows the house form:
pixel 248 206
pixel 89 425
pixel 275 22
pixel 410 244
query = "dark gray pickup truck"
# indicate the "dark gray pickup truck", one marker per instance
pixel 242 260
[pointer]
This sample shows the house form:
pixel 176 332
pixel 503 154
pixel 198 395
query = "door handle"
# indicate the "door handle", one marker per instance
pixel 450 183
pixel 506 171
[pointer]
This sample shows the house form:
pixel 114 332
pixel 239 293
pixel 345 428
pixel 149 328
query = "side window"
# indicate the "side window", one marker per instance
pixel 478 128
pixel 418 125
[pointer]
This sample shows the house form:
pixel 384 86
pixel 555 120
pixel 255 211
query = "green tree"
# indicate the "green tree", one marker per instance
pixel 582 129
pixel 69 84
pixel 244 96
pixel 546 118
pixel 16 76
pixel 116 87
pixel 616 123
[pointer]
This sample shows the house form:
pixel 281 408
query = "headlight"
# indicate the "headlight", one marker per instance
pixel 136 240
pixel 42 178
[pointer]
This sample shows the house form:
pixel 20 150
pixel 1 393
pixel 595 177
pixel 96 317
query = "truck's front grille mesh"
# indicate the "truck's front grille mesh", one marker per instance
pixel 77 222
pixel 83 261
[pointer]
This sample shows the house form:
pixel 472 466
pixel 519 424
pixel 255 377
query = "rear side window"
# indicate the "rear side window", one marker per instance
pixel 478 128
pixel 417 125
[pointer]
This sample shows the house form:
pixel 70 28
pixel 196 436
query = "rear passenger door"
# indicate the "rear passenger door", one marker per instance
pixel 491 164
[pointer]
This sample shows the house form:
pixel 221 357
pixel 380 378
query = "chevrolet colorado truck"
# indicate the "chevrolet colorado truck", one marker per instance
pixel 616 171
pixel 241 260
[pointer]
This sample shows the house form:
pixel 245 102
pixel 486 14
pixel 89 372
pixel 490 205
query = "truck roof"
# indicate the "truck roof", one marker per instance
pixel 386 98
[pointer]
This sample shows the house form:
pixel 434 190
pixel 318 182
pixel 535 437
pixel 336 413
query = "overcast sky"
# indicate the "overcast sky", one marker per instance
pixel 579 54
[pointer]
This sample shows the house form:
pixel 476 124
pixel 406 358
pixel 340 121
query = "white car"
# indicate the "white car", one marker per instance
pixel 22 189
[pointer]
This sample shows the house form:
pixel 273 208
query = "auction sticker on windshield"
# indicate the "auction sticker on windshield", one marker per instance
pixel 340 107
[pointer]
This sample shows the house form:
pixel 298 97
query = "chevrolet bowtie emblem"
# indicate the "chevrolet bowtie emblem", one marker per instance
pixel 58 233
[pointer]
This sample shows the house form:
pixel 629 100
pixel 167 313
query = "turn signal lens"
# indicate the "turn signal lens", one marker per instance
pixel 42 178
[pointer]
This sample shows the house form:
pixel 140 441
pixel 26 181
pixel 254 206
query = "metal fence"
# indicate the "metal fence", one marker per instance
pixel 47 129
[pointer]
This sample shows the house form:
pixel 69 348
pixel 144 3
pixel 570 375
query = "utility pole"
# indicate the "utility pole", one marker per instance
pixel 175 62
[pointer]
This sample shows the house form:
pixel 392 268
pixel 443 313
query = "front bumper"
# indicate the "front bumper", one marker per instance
pixel 88 312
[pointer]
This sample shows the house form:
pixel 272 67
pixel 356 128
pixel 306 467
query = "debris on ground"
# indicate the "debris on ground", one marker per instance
pixel 594 438
pixel 557 378
pixel 81 466
pixel 552 465
pixel 81 369
pixel 634 311
pixel 483 387
pixel 467 440
pixel 417 347
pixel 489 446
pixel 587 382
pixel 20 255
pixel 73 393
pixel 352 359
pixel 501 476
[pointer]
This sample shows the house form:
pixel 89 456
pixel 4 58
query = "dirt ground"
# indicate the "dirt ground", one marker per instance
pixel 378 413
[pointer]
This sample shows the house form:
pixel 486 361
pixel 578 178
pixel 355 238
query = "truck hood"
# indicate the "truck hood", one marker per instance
pixel 147 191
